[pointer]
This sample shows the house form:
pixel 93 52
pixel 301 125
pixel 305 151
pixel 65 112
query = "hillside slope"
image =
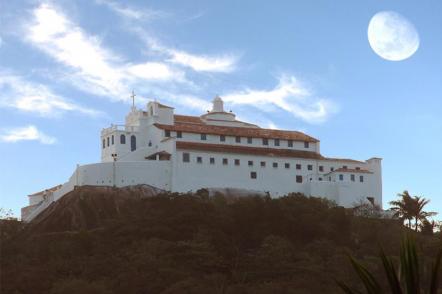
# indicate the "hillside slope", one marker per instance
pixel 134 240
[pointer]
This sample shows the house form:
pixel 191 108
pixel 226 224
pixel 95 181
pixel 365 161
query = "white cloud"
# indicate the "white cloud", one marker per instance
pixel 95 69
pixel 27 133
pixel 27 96
pixel 131 12
pixel 289 95
pixel 201 63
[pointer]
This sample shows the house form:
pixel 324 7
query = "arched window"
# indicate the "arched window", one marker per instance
pixel 107 141
pixel 122 139
pixel 104 143
pixel 133 143
pixel 113 140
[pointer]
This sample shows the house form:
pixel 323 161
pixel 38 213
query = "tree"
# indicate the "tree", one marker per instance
pixel 410 208
pixel 402 208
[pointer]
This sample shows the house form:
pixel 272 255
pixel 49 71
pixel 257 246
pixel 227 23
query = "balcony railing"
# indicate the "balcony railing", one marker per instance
pixel 123 128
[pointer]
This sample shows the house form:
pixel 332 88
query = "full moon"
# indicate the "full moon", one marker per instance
pixel 392 36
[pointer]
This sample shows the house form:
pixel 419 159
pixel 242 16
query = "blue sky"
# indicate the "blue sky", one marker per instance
pixel 67 69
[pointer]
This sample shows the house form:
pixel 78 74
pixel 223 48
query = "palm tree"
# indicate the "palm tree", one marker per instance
pixel 402 208
pixel 418 212
pixel 411 208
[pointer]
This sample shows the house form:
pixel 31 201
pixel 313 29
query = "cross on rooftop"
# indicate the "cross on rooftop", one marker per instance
pixel 133 98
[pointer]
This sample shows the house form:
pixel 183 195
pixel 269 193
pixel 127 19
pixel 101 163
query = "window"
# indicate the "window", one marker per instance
pixel 341 177
pixel 298 179
pixel 320 179
pixel 203 137
pixel 179 134
pixel 332 169
pixel 199 159
pixel 287 165
pixel 263 164
pixel 107 141
pixel 133 143
pixel 321 168
pixel 275 165
pixel 361 179
pixel 113 140
pixel 238 139
pixel 186 157
pixel 344 167
pixel 329 179
pixel 250 163
pixel 352 178
pixel 104 143
pixel 298 166
pixel 237 162
pixel 310 167
pixel 167 133
pixel 358 168
pixel 122 139
pixel 222 138
pixel 290 143
pixel 225 161
pixel 306 144
pixel 265 141
pixel 212 160
pixel 253 175
pixel 276 142
pixel 249 140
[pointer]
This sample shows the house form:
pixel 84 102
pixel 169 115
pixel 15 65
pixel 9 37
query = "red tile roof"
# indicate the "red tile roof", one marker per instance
pixel 344 160
pixel 192 124
pixel 237 149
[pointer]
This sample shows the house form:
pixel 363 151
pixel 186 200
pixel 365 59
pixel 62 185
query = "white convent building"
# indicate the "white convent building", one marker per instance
pixel 182 153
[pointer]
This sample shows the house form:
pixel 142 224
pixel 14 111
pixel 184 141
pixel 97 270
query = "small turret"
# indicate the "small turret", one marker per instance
pixel 218 105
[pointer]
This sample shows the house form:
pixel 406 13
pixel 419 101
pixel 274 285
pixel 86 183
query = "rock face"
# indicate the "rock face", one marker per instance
pixel 90 207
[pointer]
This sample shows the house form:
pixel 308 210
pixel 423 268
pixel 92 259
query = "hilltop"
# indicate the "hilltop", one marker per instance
pixel 142 240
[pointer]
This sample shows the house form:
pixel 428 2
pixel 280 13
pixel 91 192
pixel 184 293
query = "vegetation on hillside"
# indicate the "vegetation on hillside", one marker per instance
pixel 99 242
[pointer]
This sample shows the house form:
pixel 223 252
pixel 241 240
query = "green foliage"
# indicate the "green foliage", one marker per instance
pixel 193 243
pixel 407 279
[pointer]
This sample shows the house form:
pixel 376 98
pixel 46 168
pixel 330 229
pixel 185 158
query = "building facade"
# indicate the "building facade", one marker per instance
pixel 183 153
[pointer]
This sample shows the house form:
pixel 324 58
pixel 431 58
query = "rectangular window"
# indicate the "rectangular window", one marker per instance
pixel 265 141
pixel 203 137
pixel 236 161
pixel 107 141
pixel 341 177
pixel 298 179
pixel 186 157
pixel 112 139
pixel 306 144
pixel 298 166
pixel 238 139
pixel 222 138
pixel 225 161
pixel 249 140
pixel 250 163
pixel 212 160
pixel 352 178
pixel 276 141
pixel 358 168
pixel 179 134
pixel 310 167
pixel 167 133
pixel 329 179
pixel 321 168
pixel 344 167
pixel 332 169
pixel 104 143
pixel 287 165
pixel 275 165
pixel 253 175
pixel 263 164
pixel 199 159
pixel 290 143
pixel 320 179
pixel 361 179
